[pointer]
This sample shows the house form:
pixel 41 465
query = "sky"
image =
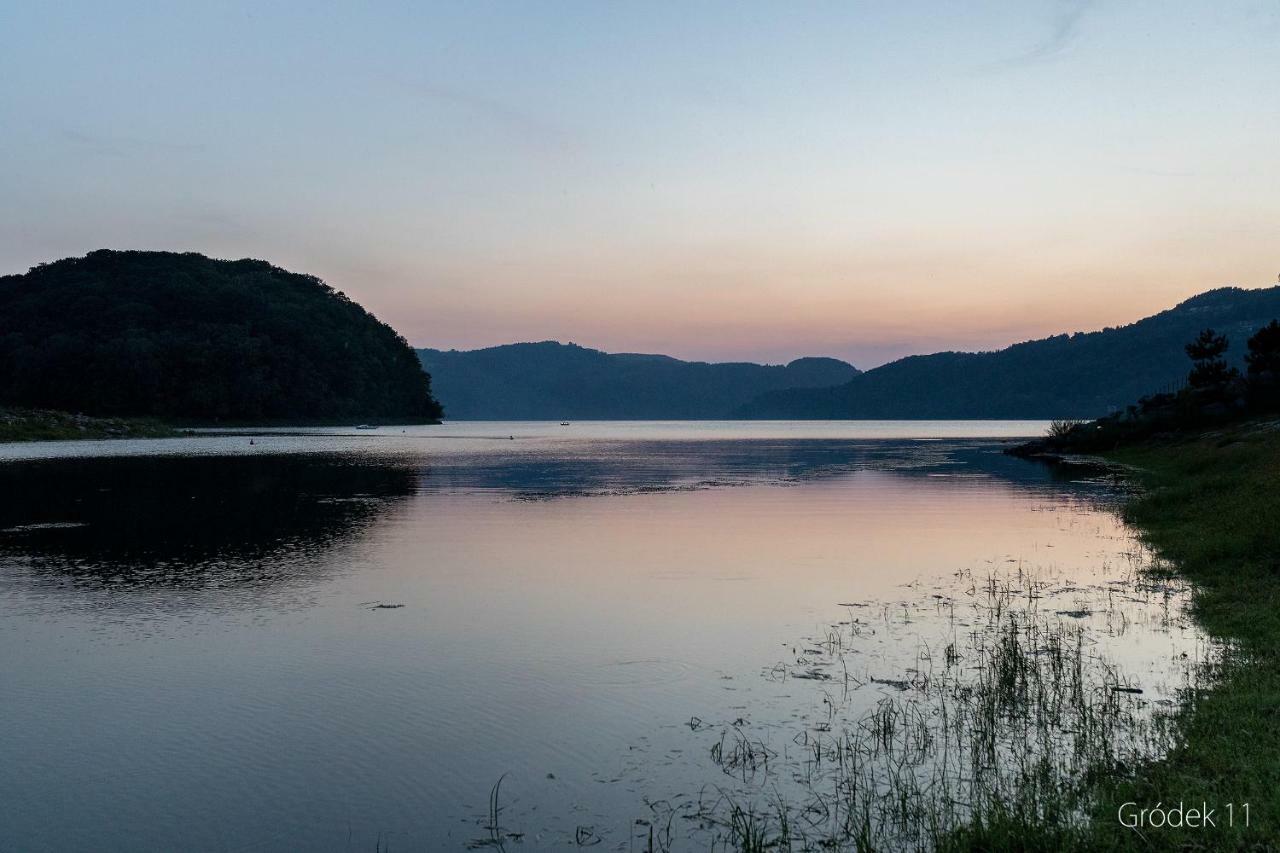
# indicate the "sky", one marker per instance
pixel 721 181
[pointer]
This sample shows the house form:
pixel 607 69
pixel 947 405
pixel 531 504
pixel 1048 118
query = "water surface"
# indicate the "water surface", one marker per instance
pixel 326 637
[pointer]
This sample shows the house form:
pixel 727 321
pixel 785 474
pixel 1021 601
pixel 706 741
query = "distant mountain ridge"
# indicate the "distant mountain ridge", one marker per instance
pixel 1082 375
pixel 549 380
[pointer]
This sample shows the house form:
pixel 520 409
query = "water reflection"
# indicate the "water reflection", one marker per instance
pixel 189 521
pixel 253 518
pixel 610 467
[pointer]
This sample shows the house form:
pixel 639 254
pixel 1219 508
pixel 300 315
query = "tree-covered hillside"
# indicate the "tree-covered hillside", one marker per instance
pixel 185 337
pixel 550 381
pixel 1083 375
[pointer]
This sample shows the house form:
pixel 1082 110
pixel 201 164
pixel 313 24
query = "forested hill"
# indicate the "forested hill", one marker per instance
pixel 550 381
pixel 1083 375
pixel 182 336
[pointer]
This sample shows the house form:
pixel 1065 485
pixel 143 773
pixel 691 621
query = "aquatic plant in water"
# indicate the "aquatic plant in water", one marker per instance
pixel 1008 719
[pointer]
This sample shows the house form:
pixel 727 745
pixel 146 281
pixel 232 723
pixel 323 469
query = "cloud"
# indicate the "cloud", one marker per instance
pixel 1064 28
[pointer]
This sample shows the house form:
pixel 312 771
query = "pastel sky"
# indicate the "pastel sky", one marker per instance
pixel 711 180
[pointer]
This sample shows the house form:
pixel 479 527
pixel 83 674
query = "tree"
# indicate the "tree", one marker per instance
pixel 1209 369
pixel 1263 359
pixel 1264 353
pixel 182 336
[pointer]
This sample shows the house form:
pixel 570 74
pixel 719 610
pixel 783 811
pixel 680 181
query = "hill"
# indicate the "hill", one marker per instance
pixel 1082 375
pixel 185 337
pixel 550 381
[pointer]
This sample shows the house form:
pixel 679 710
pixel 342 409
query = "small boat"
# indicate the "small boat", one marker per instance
pixel 365 426
pixel 564 423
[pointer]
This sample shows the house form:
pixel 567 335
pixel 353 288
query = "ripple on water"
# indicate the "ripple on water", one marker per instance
pixel 638 672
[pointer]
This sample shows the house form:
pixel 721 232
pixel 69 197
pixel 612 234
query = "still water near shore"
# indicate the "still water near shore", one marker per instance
pixel 329 637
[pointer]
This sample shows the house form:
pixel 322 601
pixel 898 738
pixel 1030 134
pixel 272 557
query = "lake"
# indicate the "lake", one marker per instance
pixel 340 639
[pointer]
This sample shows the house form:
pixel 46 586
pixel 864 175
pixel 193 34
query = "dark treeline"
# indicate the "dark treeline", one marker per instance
pixel 1082 375
pixel 1216 392
pixel 185 337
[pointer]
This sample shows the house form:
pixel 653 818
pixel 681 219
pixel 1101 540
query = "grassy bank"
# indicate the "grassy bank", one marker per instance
pixel 1211 507
pixel 47 425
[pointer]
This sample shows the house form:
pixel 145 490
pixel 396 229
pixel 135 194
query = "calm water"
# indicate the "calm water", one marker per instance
pixel 328 637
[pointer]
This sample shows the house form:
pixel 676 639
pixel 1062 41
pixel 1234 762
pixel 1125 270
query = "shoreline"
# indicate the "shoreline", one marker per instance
pixel 22 425
pixel 1210 508
pixel 1208 505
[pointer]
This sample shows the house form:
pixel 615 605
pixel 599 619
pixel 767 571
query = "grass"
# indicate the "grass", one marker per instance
pixel 993 742
pixel 1062 428
pixel 1211 508
pixel 48 425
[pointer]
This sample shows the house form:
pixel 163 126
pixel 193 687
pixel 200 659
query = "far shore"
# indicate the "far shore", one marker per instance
pixel 20 424
pixel 49 425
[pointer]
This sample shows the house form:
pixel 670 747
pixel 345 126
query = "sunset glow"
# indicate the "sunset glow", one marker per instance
pixel 728 181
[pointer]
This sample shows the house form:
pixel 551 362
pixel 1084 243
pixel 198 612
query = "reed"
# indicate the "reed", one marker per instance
pixel 996 743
